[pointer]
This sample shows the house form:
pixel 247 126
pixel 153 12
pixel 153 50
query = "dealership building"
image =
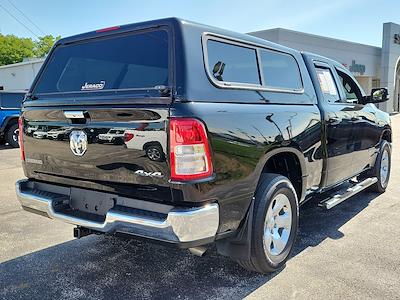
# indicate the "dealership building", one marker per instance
pixel 372 66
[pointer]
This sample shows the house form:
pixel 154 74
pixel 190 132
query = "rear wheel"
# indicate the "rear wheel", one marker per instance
pixel 275 223
pixel 12 135
pixel 155 153
pixel 381 169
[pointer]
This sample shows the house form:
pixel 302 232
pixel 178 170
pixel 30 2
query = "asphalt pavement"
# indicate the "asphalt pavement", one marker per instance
pixel 351 251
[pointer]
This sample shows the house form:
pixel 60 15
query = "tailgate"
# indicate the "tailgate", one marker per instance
pixel 96 115
pixel 109 146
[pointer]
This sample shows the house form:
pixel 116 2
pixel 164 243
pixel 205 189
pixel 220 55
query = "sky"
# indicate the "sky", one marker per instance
pixel 353 20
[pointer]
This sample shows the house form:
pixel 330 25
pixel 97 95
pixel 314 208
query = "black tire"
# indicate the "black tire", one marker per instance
pixel 379 186
pixel 261 260
pixel 155 153
pixel 12 136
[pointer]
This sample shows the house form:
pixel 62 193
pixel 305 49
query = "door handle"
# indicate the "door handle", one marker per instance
pixel 74 114
pixel 356 118
pixel 334 120
pixel 77 116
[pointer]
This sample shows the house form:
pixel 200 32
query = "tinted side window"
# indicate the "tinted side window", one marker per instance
pixel 118 62
pixel 350 88
pixel 231 63
pixel 11 100
pixel 327 84
pixel 280 70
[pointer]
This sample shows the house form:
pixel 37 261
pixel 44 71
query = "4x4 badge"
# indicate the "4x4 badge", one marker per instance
pixel 78 142
pixel 149 174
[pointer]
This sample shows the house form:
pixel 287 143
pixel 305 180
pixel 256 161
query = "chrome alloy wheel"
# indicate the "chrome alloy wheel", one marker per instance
pixel 16 135
pixel 277 225
pixel 153 154
pixel 384 172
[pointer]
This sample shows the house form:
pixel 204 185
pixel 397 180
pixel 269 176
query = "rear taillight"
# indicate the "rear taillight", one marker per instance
pixel 20 139
pixel 128 136
pixel 190 155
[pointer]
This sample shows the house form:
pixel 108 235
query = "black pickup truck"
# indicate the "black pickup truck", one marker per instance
pixel 190 135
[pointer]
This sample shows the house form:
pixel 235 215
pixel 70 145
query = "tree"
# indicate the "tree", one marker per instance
pixel 14 49
pixel 44 44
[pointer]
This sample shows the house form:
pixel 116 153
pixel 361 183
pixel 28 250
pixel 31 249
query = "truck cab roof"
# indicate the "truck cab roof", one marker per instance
pixel 181 24
pixel 177 24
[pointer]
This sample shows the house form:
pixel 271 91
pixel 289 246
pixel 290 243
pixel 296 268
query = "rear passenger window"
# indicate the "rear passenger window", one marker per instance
pixel 280 70
pixel 327 84
pixel 231 63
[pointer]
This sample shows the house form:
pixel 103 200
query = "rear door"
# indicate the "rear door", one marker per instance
pixel 87 107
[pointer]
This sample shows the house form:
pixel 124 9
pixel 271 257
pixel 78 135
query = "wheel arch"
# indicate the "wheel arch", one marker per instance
pixel 238 246
pixel 152 143
pixel 8 121
pixel 294 167
pixel 386 135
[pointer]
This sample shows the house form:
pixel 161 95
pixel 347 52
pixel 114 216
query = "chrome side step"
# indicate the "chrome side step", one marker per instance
pixel 349 192
pixel 198 251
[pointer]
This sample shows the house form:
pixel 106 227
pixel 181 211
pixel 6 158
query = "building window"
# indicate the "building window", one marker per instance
pixel 376 83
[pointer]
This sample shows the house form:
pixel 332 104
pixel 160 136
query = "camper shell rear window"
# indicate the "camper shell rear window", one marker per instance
pixel 124 62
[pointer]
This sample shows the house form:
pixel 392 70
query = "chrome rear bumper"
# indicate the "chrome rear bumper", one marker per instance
pixel 180 225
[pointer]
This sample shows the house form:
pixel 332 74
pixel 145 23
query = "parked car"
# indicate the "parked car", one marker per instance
pixel 112 136
pixel 59 133
pixel 10 106
pixel 251 130
pixel 38 134
pixel 153 142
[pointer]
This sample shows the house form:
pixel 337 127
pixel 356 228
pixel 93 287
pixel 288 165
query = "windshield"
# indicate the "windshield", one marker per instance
pixel 121 62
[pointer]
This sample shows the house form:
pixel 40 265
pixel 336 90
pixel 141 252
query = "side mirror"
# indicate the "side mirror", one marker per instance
pixel 377 95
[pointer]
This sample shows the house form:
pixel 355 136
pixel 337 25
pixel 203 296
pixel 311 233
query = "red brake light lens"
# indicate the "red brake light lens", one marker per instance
pixel 107 29
pixel 20 138
pixel 190 155
pixel 128 136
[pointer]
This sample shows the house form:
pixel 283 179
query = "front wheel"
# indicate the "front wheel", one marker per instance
pixel 382 168
pixel 12 136
pixel 274 226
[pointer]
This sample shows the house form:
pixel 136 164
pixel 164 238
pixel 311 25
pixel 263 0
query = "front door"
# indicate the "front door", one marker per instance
pixel 366 131
pixel 338 117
